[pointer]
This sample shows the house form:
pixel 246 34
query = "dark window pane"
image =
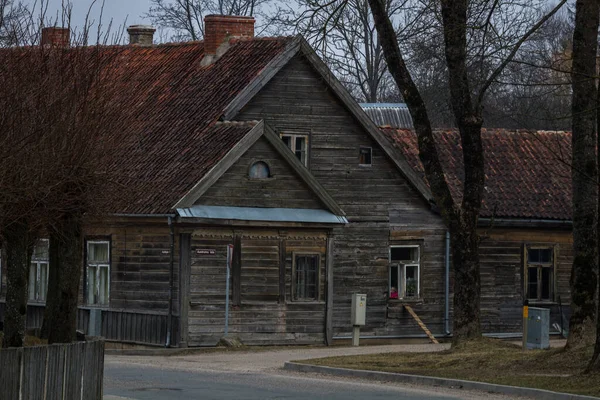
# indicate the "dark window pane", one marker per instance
pixel 306 279
pixel 404 253
pixel 394 282
pixel 546 283
pixel 287 140
pixel 411 281
pixel 534 256
pixel 532 287
pixel 365 156
pixel 539 256
pixel 546 256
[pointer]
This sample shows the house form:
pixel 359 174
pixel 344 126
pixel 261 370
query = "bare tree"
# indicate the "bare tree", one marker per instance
pixel 467 90
pixel 186 17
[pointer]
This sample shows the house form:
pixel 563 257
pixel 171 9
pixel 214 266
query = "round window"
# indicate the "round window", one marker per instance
pixel 259 170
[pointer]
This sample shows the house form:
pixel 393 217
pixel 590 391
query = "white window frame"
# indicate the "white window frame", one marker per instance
pixel 37 297
pixel 401 271
pixel 97 280
pixel 292 145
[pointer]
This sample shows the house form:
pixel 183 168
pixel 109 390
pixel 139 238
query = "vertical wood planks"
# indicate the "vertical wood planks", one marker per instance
pixel 10 373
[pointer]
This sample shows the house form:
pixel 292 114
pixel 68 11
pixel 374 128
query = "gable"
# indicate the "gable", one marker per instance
pixel 284 189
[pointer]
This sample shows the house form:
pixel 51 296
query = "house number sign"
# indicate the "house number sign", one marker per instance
pixel 206 252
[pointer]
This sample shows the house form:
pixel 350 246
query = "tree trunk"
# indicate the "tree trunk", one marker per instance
pixel 584 175
pixel 19 245
pixel 53 293
pixel 67 249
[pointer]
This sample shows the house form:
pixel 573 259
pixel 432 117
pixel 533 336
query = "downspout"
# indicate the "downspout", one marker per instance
pixel 447 287
pixel 171 278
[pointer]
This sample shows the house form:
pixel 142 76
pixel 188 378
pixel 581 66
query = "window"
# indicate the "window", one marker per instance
pixel 298 144
pixel 365 156
pixel 259 170
pixel 38 272
pixel 305 282
pixel 539 273
pixel 98 272
pixel 404 272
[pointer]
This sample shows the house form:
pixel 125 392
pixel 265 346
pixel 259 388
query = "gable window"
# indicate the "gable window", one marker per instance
pixel 259 170
pixel 38 272
pixel 98 272
pixel 298 144
pixel 305 277
pixel 404 272
pixel 539 273
pixel 365 156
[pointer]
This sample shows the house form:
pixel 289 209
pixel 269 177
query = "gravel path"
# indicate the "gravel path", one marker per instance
pixel 255 361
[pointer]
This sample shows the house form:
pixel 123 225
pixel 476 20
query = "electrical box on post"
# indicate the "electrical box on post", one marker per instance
pixel 359 309
pixel 538 328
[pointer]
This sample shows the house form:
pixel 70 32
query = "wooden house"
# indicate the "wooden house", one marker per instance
pixel 250 150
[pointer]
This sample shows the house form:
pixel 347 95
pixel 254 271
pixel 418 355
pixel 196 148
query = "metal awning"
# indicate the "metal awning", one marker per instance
pixel 261 214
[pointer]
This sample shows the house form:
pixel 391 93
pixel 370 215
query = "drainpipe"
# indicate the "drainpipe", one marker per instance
pixel 447 287
pixel 171 273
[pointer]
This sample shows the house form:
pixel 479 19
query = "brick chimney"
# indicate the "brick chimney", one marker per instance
pixel 141 35
pixel 60 37
pixel 221 28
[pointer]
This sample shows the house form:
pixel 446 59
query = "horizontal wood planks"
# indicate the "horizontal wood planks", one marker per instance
pixel 261 317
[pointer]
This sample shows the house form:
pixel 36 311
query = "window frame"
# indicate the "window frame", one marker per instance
pixel 360 149
pixel 295 255
pixel 89 241
pixel 539 266
pixel 252 164
pixel 401 271
pixel 293 149
pixel 38 262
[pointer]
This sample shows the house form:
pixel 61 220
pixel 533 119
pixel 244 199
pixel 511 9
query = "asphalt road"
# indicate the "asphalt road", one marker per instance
pixel 146 383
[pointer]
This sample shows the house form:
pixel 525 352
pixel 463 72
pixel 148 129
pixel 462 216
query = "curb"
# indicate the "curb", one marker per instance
pixel 431 381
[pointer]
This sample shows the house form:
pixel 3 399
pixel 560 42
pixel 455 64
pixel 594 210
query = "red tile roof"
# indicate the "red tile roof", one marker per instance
pixel 527 172
pixel 172 103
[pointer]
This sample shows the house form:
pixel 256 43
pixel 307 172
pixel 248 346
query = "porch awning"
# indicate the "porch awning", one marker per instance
pixel 261 214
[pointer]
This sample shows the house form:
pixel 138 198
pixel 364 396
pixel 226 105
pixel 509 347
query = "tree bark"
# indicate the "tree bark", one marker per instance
pixel 53 293
pixel 584 174
pixel 67 247
pixel 19 245
pixel 461 220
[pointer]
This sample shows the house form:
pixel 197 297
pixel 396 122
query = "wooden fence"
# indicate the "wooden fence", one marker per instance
pixel 57 372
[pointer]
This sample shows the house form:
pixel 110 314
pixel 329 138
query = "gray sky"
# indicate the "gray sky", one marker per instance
pixel 117 10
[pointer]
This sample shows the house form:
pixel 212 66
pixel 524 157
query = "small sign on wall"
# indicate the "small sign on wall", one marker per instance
pixel 165 252
pixel 206 252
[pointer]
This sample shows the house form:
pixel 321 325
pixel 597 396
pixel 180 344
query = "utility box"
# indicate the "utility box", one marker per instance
pixel 538 328
pixel 359 309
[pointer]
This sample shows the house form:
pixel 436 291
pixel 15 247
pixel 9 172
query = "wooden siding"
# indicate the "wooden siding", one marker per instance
pixel 377 200
pixel 283 189
pixel 262 317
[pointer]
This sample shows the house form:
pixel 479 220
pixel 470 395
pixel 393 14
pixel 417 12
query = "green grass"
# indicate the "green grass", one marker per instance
pixel 486 360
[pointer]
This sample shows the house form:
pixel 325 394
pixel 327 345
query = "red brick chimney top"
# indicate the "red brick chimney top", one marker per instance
pixel 220 28
pixel 55 36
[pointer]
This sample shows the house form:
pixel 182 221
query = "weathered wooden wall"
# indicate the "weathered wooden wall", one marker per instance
pixel 265 313
pixel 376 199
pixel 284 189
pixel 502 269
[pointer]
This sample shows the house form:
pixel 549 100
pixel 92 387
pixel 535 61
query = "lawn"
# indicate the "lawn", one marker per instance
pixel 486 360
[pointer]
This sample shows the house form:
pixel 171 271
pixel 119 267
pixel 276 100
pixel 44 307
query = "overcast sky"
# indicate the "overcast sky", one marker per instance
pixel 117 10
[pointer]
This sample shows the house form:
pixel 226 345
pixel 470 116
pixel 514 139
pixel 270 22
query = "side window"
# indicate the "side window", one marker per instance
pixel 98 272
pixel 365 156
pixel 298 144
pixel 539 273
pixel 38 272
pixel 305 277
pixel 404 272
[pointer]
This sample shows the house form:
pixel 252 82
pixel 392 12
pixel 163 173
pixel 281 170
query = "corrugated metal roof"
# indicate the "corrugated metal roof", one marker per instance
pixel 393 115
pixel 261 214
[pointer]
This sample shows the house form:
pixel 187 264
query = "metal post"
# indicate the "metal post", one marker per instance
pixel 229 258
pixel 525 322
pixel 355 335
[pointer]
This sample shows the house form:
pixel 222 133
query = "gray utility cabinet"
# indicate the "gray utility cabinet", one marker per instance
pixel 538 328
